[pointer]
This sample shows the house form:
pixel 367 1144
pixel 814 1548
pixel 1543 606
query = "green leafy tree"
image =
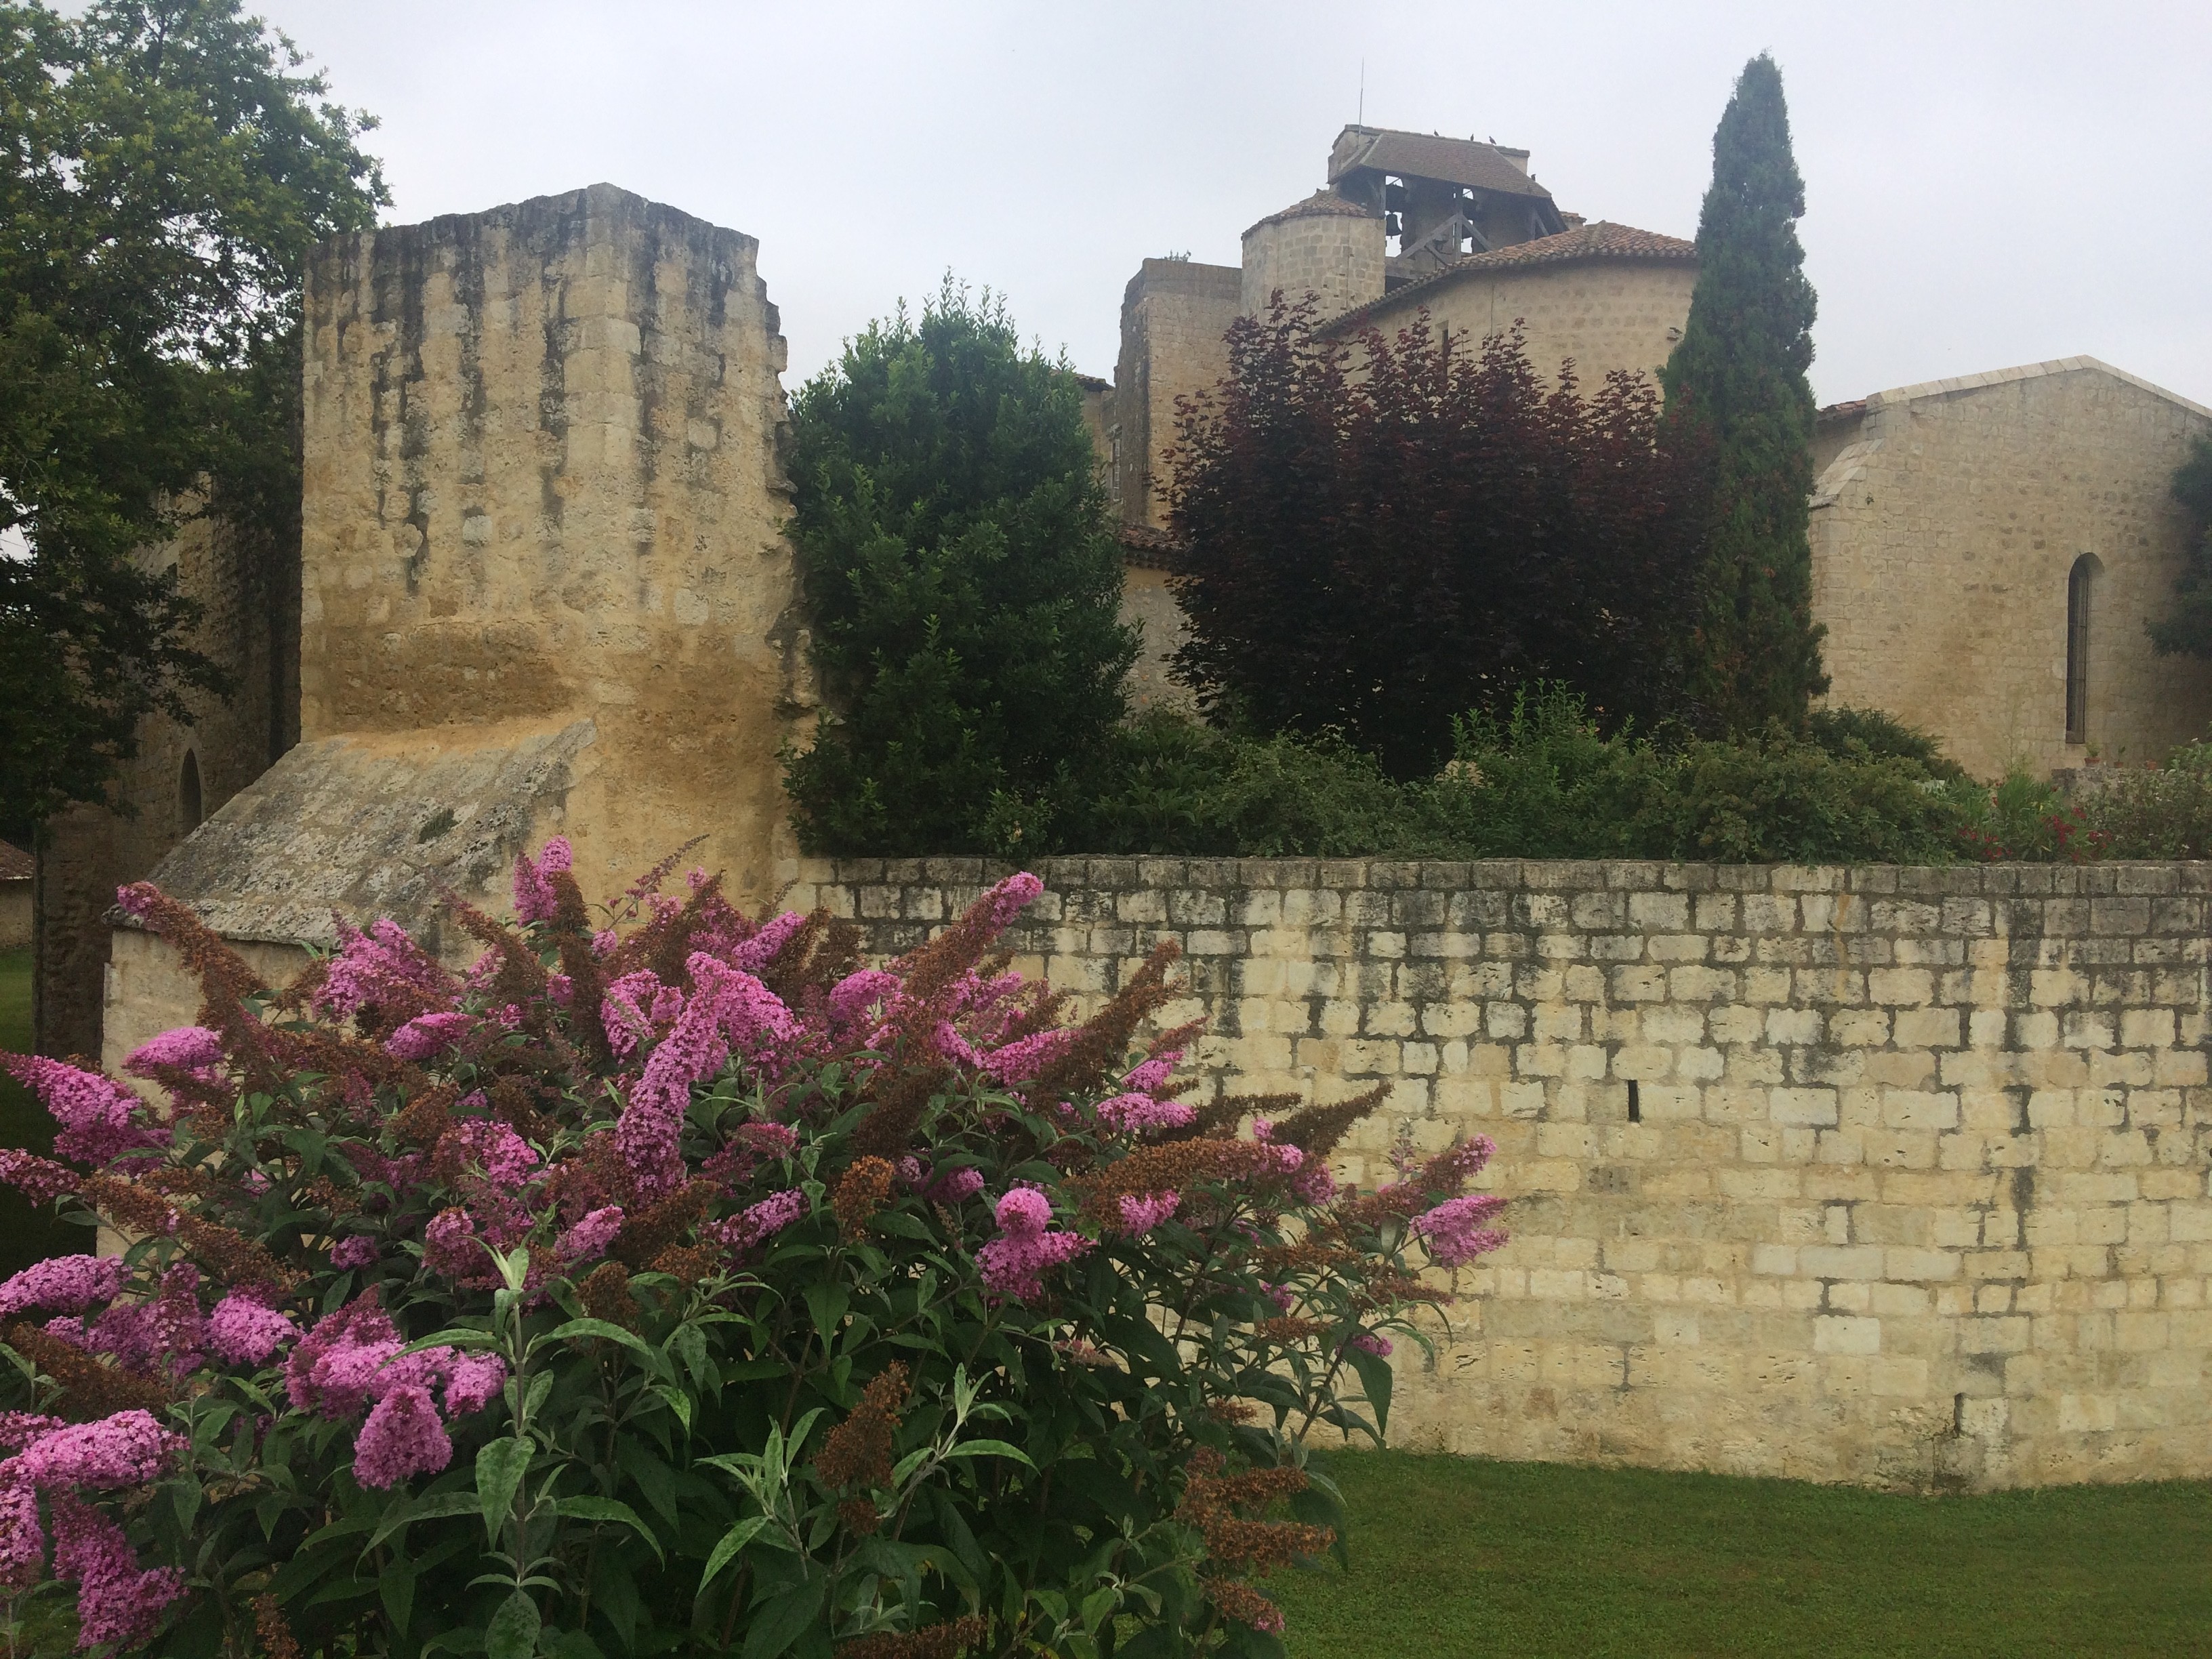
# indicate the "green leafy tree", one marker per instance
pixel 964 586
pixel 2186 629
pixel 1740 370
pixel 164 169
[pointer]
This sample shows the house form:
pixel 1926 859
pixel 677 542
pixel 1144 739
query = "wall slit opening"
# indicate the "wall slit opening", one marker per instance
pixel 2081 584
pixel 1635 1103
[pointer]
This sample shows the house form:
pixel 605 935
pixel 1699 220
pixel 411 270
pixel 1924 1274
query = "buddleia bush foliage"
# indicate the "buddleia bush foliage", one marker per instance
pixel 669 1282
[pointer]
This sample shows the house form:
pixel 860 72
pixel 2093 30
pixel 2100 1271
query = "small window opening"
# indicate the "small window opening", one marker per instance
pixel 188 794
pixel 2080 586
pixel 1635 1103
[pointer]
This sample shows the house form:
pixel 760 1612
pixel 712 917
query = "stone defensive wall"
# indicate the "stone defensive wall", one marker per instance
pixel 1882 1176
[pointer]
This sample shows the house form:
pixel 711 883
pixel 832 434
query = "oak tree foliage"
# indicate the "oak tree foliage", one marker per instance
pixel 165 166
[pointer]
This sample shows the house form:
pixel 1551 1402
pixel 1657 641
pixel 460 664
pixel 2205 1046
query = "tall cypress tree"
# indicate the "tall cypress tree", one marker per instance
pixel 1740 370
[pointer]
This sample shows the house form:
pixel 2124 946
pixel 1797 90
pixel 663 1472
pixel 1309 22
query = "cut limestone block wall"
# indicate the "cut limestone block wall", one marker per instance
pixel 1945 522
pixel 1884 1176
pixel 1324 248
pixel 542 487
pixel 1174 314
pixel 1606 310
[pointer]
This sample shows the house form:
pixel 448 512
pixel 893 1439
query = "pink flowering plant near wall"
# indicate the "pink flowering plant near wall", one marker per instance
pixel 670 1281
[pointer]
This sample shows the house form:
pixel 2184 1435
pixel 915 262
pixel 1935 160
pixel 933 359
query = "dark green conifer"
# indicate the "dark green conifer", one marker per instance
pixel 1740 370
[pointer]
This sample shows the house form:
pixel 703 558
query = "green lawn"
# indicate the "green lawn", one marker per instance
pixel 1453 1556
pixel 27 1234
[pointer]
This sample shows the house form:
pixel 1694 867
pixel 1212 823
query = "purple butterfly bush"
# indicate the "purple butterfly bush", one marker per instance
pixel 534 1126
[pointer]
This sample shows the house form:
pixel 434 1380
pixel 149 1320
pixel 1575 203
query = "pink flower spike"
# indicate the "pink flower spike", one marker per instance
pixel 1453 1232
pixel 100 1120
pixel 954 1187
pixel 1014 1263
pixel 402 1438
pixel 63 1284
pixel 127 1449
pixel 590 1237
pixel 426 1035
pixel 1134 1114
pixel 1011 897
pixel 116 1603
pixel 356 1250
pixel 39 1179
pixel 533 885
pixel 1022 1059
pixel 188 1047
pixel 22 1541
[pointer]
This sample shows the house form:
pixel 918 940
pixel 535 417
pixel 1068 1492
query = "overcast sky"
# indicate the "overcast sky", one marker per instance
pixel 1987 185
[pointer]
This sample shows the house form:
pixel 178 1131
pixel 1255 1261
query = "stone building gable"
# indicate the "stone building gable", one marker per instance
pixel 1947 520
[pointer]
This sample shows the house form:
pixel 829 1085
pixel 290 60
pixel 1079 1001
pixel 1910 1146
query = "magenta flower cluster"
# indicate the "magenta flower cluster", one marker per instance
pixel 1014 1263
pixel 100 1120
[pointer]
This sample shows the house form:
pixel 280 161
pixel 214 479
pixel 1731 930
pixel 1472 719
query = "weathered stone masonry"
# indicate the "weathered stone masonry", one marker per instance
pixel 1875 1174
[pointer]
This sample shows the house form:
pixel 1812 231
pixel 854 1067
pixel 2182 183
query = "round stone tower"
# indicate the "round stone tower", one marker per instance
pixel 1324 245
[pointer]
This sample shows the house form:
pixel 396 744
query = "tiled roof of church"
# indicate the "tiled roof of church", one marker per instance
pixel 1452 160
pixel 15 864
pixel 1601 240
pixel 1321 204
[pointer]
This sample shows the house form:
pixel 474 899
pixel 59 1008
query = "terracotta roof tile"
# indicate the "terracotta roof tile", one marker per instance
pixel 1322 204
pixel 1601 240
pixel 15 864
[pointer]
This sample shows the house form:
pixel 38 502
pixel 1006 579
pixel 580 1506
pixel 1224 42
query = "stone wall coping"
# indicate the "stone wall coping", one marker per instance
pixel 1119 872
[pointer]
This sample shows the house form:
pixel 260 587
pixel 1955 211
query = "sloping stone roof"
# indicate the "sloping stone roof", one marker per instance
pixel 1965 383
pixel 15 864
pixel 1600 239
pixel 1453 160
pixel 374 827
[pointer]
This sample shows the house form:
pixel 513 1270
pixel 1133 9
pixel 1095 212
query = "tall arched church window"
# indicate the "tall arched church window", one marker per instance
pixel 188 792
pixel 2080 595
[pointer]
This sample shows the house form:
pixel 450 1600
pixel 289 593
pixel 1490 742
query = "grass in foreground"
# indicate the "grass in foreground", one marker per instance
pixel 1461 1556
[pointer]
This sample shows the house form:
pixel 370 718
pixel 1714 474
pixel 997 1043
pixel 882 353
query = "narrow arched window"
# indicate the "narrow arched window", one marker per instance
pixel 2080 589
pixel 188 792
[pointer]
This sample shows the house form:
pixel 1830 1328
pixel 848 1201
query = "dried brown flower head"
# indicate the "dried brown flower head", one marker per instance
pixel 863 1190
pixel 605 1295
pixel 90 1389
pixel 858 1451
pixel 687 1263
pixel 1316 1131
pixel 945 1641
pixel 276 1639
pixel 1102 1042
pixel 662 1224
pixel 888 1129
